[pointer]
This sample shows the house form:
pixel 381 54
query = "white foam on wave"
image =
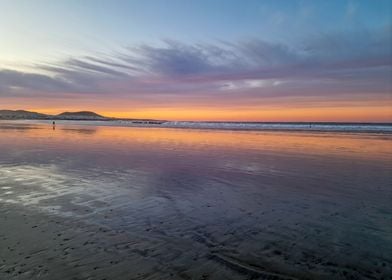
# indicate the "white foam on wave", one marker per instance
pixel 283 126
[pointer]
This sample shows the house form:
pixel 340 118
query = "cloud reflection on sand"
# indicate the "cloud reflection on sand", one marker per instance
pixel 47 188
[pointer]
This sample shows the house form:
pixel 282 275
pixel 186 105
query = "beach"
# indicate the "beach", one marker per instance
pixel 112 202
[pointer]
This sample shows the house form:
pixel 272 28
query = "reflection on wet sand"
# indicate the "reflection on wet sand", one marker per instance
pixel 79 130
pixel 153 203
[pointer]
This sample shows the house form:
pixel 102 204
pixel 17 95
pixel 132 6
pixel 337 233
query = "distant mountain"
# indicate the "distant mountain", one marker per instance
pixel 82 115
pixel 21 114
pixel 27 115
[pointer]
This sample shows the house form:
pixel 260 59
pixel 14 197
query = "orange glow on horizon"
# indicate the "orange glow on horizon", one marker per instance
pixel 270 111
pixel 332 114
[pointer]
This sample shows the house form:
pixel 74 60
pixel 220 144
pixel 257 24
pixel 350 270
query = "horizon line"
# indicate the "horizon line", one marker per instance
pixel 205 121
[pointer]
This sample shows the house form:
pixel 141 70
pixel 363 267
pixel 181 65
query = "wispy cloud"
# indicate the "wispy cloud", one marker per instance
pixel 328 65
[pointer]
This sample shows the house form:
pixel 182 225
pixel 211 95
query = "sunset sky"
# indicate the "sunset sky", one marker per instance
pixel 199 60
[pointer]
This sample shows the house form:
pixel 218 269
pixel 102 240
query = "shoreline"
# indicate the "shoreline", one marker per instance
pixel 374 128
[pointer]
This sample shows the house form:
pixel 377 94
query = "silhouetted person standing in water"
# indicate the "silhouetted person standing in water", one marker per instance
pixel 54 125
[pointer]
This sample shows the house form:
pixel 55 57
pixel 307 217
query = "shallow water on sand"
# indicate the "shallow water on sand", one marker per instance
pixel 157 203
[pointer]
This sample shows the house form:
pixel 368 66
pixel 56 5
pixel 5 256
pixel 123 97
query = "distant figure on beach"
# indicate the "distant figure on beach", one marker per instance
pixel 54 125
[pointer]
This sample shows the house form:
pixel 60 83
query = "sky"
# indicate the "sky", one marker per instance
pixel 199 60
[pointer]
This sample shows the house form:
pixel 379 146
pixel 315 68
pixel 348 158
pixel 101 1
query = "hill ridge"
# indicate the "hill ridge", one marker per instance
pixel 24 114
pixel 77 115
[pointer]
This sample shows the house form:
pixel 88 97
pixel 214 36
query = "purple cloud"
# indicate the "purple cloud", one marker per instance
pixel 331 65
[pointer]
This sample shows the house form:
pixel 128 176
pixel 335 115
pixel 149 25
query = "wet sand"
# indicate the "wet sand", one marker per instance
pixel 85 202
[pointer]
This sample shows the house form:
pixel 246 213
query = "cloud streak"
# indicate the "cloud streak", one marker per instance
pixel 329 65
